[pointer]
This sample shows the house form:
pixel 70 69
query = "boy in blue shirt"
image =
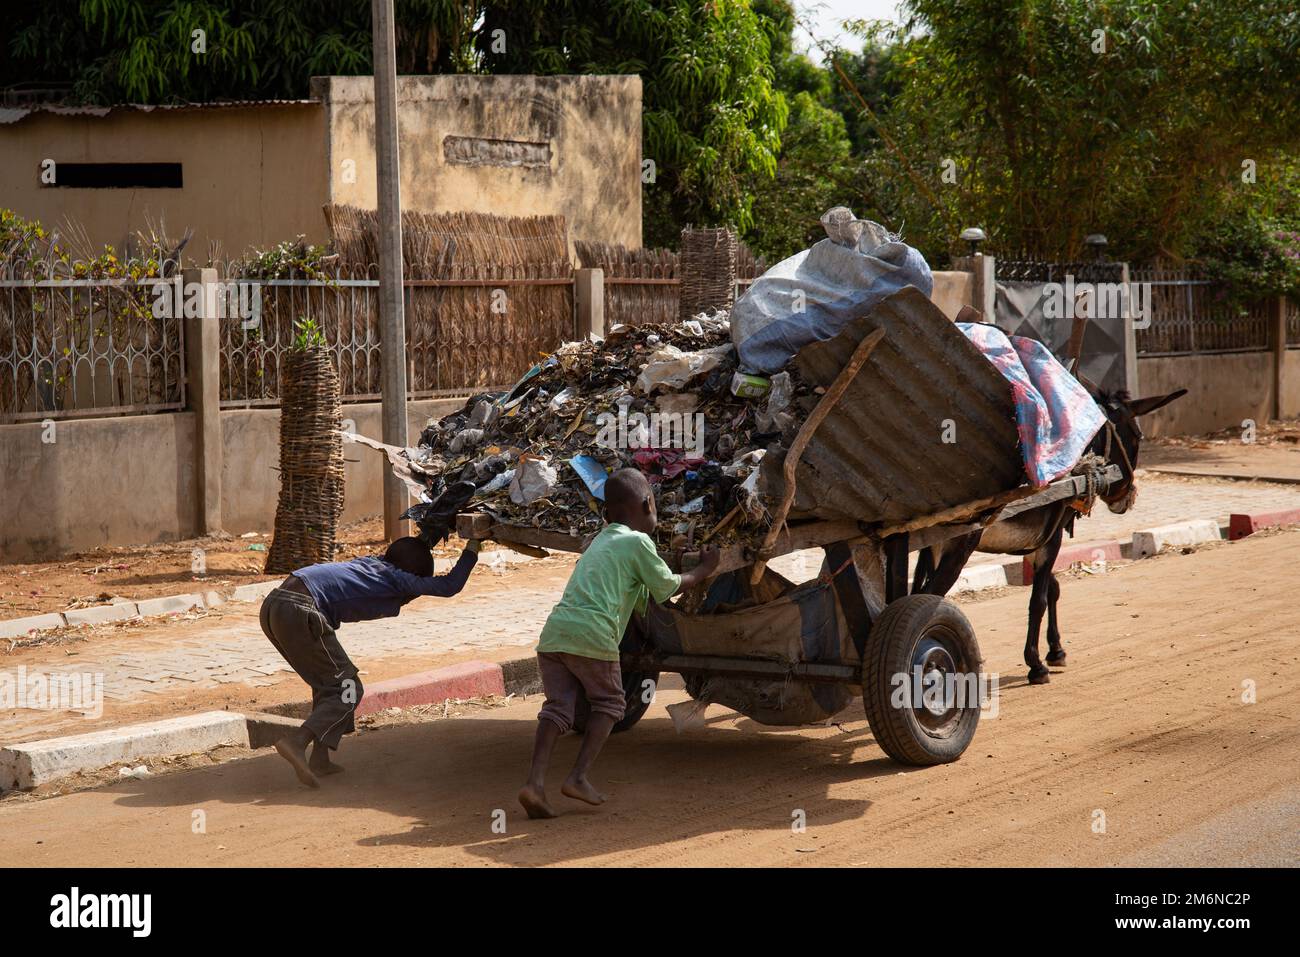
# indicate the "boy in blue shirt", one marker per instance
pixel 578 653
pixel 300 618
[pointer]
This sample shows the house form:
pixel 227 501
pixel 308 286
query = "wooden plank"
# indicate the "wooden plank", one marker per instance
pixel 1070 487
pixel 745 667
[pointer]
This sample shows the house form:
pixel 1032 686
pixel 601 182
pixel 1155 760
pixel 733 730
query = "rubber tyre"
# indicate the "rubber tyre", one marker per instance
pixel 634 693
pixel 907 625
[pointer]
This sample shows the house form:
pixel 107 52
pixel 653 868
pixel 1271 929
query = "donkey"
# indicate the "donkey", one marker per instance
pixel 1038 532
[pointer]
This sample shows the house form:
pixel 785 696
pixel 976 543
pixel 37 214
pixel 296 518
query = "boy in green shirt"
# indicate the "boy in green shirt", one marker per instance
pixel 578 650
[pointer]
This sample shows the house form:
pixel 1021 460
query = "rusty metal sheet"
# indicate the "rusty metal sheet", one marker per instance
pixel 880 455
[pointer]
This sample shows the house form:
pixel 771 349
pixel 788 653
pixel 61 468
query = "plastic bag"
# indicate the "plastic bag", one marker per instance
pixel 812 295
pixel 533 479
pixel 671 368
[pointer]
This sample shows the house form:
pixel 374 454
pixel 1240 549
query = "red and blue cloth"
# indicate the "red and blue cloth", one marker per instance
pixel 1057 418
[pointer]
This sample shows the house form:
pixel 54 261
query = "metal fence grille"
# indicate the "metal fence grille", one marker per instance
pixel 463 334
pixel 77 347
pixel 1190 315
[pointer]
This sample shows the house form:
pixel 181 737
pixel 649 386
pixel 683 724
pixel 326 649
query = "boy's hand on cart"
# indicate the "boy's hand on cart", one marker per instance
pixel 703 570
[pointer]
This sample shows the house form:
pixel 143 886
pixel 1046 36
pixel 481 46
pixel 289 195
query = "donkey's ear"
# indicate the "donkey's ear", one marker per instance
pixel 1151 403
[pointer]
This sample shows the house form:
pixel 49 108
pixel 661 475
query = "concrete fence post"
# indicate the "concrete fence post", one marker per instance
pixel 984 284
pixel 203 397
pixel 1130 335
pixel 589 297
pixel 1277 313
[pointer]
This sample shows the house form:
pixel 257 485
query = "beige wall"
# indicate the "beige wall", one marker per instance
pixel 251 174
pixel 1222 390
pixel 116 481
pixel 251 452
pixel 1291 384
pixel 131 480
pixel 587 127
pixel 952 290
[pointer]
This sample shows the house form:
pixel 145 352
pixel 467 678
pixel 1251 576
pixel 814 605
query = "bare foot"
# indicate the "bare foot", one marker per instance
pixel 320 762
pixel 296 757
pixel 580 789
pixel 534 802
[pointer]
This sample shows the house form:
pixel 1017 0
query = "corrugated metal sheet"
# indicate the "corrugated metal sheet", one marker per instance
pixel 880 456
pixel 14 114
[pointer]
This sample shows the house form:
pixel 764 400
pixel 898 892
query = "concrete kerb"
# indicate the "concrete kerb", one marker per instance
pixel 1150 541
pixel 122 610
pixel 178 604
pixel 33 763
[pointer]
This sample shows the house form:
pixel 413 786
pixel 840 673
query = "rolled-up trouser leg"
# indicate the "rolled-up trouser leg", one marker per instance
pixel 302 635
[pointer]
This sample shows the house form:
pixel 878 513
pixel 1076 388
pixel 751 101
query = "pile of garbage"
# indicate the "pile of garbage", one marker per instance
pixel 666 399
pixel 696 406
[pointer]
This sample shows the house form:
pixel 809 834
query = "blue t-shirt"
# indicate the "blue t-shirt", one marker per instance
pixel 367 588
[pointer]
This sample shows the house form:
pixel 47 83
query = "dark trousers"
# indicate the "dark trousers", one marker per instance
pixel 307 642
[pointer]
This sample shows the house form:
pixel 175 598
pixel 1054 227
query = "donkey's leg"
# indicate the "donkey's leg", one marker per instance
pixel 924 570
pixel 1043 560
pixel 956 552
pixel 1055 653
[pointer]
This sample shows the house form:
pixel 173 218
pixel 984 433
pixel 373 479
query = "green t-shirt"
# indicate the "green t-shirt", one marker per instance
pixel 612 578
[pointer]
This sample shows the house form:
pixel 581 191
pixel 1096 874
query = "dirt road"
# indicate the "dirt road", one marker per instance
pixel 1146 731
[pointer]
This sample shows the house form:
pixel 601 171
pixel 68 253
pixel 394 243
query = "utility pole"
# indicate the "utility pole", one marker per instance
pixel 392 319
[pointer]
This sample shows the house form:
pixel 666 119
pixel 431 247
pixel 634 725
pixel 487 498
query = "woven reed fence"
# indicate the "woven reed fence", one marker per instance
pixel 708 271
pixel 311 462
pixel 646 283
pixel 487 295
pixel 634 303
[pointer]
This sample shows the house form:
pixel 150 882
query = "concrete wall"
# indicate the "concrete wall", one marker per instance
pixel 513 145
pixel 1222 391
pixel 250 174
pixel 115 481
pixel 131 480
pixel 250 484
pixel 1291 384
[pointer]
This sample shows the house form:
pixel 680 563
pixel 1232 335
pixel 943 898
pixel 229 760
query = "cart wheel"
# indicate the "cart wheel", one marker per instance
pixel 921 635
pixel 637 693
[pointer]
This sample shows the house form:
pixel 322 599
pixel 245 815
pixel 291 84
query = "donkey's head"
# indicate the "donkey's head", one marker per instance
pixel 1120 439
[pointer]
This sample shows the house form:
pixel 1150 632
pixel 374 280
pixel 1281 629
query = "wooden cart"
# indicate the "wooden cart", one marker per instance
pixel 869 448
pixel 894 635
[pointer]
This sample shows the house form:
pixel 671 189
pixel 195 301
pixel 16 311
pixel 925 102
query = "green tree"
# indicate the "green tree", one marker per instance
pixel 115 51
pixel 712 117
pixel 1061 118
pixel 814 172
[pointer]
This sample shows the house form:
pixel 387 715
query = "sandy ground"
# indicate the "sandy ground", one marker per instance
pixel 1146 731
